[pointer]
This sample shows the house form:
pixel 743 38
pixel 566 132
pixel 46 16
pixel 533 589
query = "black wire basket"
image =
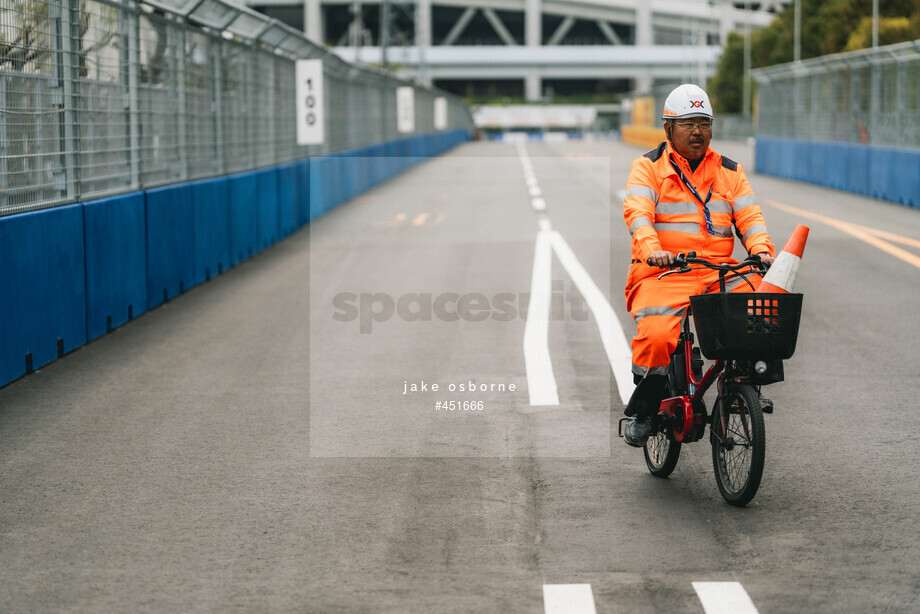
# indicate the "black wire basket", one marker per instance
pixel 747 325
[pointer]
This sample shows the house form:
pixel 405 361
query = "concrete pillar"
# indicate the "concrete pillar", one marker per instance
pixel 644 37
pixel 533 23
pixel 533 37
pixel 313 21
pixel 532 86
pixel 644 34
pixel 423 38
pixel 423 23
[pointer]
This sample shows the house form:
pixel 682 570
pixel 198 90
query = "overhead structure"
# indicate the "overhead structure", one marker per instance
pixel 537 44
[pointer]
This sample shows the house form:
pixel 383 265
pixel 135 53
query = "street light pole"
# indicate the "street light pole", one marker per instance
pixel 874 24
pixel 746 85
pixel 384 31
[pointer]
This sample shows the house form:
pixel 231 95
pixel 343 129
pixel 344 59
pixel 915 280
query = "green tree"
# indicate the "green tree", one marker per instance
pixel 890 30
pixel 828 26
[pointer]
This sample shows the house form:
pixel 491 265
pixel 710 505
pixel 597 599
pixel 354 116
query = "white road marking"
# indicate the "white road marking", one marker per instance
pixel 541 383
pixel 568 599
pixel 618 351
pixel 724 598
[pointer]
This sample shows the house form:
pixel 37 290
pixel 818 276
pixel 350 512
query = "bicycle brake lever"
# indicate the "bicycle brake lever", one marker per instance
pixel 674 271
pixel 755 261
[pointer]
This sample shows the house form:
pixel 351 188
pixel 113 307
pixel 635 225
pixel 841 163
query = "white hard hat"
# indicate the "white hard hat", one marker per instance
pixel 687 100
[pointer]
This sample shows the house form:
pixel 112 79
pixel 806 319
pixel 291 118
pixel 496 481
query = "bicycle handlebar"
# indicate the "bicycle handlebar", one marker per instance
pixel 683 261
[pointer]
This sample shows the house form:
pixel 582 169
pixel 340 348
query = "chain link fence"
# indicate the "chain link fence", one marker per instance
pixel 870 96
pixel 100 97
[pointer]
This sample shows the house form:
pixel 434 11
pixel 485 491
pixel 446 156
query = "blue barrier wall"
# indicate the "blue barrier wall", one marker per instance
pixel 170 243
pixel 70 274
pixel 267 199
pixel 211 203
pixel 287 200
pixel 43 297
pixel 115 240
pixel 244 217
pixel 879 172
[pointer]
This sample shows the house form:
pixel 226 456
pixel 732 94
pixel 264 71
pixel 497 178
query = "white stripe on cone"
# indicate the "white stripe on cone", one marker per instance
pixel 782 272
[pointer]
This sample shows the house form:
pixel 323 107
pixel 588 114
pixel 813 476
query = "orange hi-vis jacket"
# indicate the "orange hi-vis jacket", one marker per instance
pixel 662 213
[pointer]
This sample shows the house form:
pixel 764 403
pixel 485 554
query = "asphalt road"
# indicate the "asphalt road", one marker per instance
pixel 256 445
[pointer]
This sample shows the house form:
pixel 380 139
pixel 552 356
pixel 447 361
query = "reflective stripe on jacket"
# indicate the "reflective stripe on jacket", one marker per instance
pixel 663 214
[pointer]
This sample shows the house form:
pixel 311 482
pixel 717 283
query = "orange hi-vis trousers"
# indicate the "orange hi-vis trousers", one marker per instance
pixel 658 306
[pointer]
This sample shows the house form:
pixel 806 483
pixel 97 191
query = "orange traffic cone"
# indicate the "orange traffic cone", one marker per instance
pixel 781 276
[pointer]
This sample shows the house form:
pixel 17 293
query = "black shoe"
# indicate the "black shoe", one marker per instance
pixel 766 405
pixel 637 431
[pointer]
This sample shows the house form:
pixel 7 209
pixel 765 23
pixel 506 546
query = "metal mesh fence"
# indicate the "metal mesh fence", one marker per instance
pixel 870 96
pixel 107 96
pixel 235 107
pixel 159 103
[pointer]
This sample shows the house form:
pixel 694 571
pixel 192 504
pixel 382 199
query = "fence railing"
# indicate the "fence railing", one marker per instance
pixel 870 96
pixel 100 97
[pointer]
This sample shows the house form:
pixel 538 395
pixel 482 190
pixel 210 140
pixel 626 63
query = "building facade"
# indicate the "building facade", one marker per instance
pixel 529 49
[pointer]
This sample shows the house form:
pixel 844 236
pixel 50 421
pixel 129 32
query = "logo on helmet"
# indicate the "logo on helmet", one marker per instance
pixel 696 104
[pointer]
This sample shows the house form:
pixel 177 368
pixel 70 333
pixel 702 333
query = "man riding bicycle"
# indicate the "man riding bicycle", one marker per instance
pixel 680 197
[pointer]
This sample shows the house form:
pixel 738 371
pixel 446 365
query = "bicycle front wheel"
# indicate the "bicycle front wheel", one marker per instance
pixel 738 442
pixel 661 453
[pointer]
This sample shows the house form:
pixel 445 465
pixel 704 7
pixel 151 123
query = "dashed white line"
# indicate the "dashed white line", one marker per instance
pixel 530 178
pixel 568 599
pixel 724 598
pixel 716 597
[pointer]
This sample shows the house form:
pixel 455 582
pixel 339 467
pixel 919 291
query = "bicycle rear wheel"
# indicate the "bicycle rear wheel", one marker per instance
pixel 738 442
pixel 661 453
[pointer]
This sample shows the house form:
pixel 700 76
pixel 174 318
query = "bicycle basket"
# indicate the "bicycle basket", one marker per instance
pixel 747 325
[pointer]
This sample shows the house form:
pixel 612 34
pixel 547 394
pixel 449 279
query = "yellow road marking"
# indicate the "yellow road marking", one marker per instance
pixel 396 221
pixel 420 219
pixel 891 236
pixel 872 236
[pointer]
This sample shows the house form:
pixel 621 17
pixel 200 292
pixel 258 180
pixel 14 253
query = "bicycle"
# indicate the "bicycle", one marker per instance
pixel 748 335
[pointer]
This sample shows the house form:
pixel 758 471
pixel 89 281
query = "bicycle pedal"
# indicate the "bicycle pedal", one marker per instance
pixel 620 426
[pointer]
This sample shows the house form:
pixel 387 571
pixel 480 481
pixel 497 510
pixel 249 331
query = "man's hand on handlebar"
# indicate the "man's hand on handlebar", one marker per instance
pixel 681 263
pixel 662 259
pixel 766 258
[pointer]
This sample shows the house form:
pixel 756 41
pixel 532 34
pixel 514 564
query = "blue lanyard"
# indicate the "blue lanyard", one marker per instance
pixel 709 228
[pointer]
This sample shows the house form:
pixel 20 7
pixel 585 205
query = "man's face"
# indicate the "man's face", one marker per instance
pixel 688 138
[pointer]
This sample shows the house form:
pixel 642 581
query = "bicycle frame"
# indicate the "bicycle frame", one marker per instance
pixel 681 407
pixel 736 421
